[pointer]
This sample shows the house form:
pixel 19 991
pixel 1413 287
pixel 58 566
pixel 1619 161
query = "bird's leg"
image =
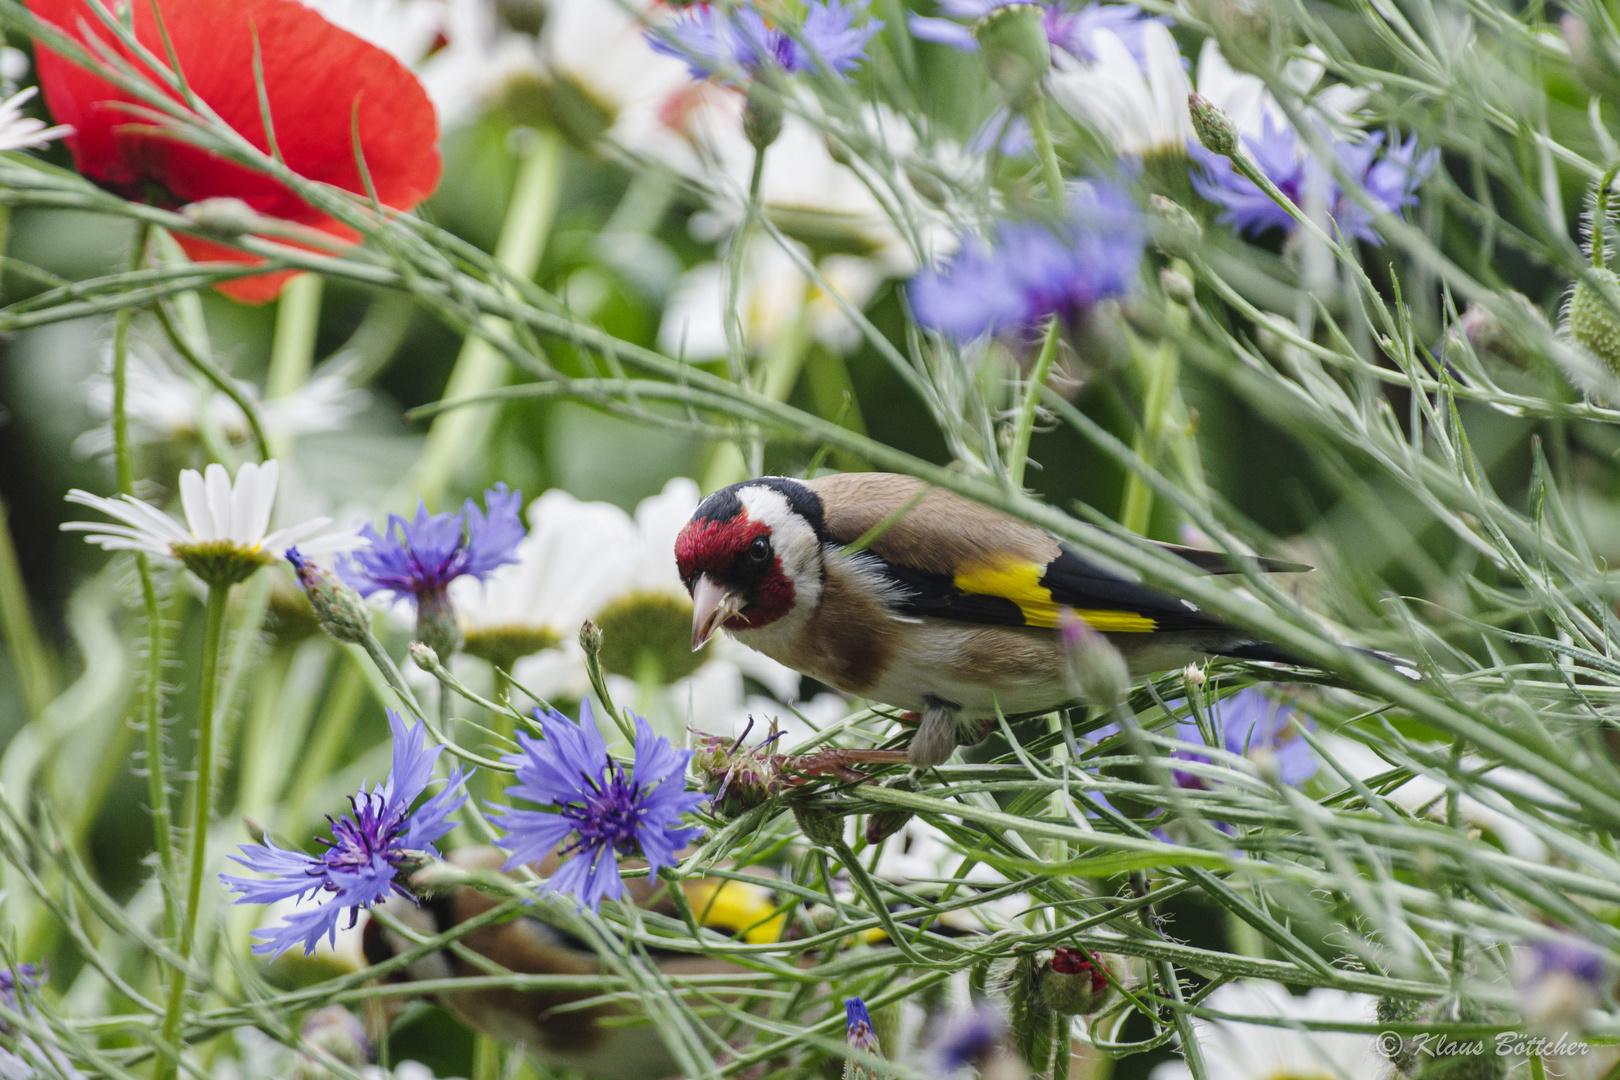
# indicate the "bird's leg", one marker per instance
pixel 936 734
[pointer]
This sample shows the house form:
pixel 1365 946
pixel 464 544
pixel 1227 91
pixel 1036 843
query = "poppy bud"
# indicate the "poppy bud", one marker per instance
pixel 1592 321
pixel 1016 51
pixel 1215 129
pixel 1072 983
pixel 339 610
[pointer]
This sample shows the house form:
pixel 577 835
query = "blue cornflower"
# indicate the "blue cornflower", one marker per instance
pixel 27 976
pixel 967 1040
pixel 716 43
pixel 610 813
pixel 858 1031
pixel 1559 979
pixel 1391 181
pixel 1248 723
pixel 1034 269
pixel 424 555
pixel 1066 29
pixel 367 851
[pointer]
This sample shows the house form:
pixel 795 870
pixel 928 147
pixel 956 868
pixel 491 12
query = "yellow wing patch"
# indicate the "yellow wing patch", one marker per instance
pixel 1020 582
pixel 739 907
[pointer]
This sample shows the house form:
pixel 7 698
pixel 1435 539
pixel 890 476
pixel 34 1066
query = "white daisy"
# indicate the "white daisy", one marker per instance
pixel 600 48
pixel 771 297
pixel 225 537
pixel 1237 1051
pixel 20 132
pixel 164 405
pixel 1140 108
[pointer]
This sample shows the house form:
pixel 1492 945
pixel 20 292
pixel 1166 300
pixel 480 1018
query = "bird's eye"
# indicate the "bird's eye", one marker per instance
pixel 760 549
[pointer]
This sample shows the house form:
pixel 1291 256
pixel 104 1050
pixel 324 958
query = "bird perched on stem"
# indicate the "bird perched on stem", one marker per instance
pixel 901 593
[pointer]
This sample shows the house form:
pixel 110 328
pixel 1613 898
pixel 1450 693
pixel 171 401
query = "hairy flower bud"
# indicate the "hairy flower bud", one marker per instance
pixel 1215 129
pixel 339 610
pixel 1072 983
pixel 1016 52
pixel 1592 321
pixel 1095 669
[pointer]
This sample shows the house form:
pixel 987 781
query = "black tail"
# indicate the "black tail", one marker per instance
pixel 1266 653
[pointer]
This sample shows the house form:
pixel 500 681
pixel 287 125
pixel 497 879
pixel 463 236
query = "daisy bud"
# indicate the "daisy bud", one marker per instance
pixel 1592 322
pixel 424 656
pixel 339 610
pixel 1095 669
pixel 1215 129
pixel 222 216
pixel 1175 230
pixel 337 1032
pixel 1177 286
pixel 762 116
pixel 1072 983
pixel 1016 51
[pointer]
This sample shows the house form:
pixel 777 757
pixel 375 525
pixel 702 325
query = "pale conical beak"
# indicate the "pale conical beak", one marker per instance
pixel 712 605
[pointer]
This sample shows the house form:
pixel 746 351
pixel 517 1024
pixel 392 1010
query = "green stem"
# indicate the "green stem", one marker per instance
pixel 1162 366
pixel 28 654
pixel 298 317
pixel 157 782
pixel 1600 214
pixel 1050 170
pixel 728 462
pixel 1018 456
pixel 480 367
pixel 201 804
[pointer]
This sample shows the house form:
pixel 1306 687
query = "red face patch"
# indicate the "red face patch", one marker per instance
pixel 720 549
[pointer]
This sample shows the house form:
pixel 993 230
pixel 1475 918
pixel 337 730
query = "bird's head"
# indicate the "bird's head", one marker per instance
pixel 750 555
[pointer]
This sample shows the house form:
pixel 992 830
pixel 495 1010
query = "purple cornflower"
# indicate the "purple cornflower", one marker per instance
pixel 1391 181
pixel 29 977
pixel 1560 979
pixel 1248 723
pixel 610 813
pixel 1034 269
pixel 1066 29
pixel 421 557
pixel 368 849
pixel 858 1026
pixel 714 43
pixel 967 1039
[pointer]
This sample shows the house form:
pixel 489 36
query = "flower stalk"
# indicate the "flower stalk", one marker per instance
pixel 1023 431
pixel 201 807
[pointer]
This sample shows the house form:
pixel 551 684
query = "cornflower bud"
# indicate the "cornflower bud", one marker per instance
pixel 861 1037
pixel 762 116
pixel 335 1031
pixel 436 624
pixel 1013 41
pixel 1175 231
pixel 1095 669
pixel 885 823
pixel 424 656
pixel 222 216
pixel 739 778
pixel 1072 983
pixel 1177 286
pixel 590 638
pixel 339 610
pixel 1215 129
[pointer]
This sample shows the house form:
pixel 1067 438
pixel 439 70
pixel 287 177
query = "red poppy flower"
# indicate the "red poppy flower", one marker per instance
pixel 316 77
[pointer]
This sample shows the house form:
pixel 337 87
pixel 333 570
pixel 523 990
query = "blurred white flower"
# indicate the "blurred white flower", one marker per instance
pixel 226 535
pixel 773 296
pixel 21 132
pixel 591 560
pixel 1235 1051
pixel 406 29
pixel 1422 794
pixel 163 404
pixel 1139 107
pixel 599 47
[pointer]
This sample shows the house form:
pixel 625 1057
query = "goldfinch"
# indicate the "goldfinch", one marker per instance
pixel 951 612
pixel 609 1041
